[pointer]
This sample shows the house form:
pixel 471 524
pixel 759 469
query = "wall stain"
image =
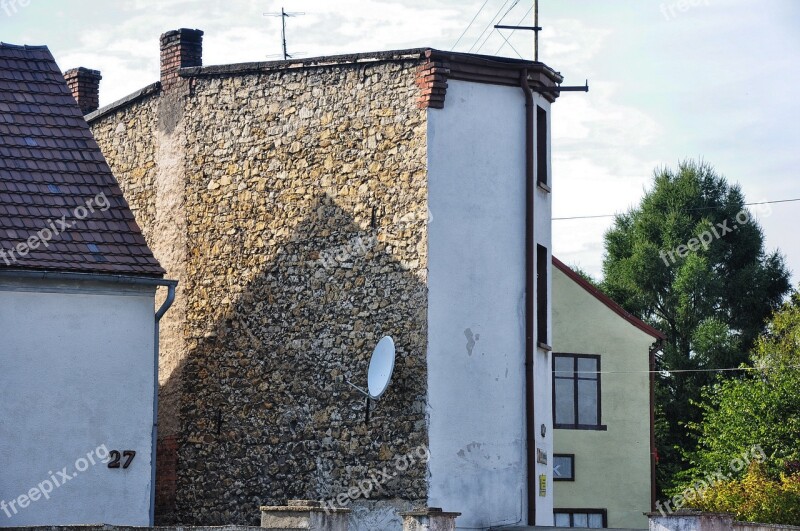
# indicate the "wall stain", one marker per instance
pixel 471 339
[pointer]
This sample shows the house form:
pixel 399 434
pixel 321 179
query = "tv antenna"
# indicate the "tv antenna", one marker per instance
pixel 284 15
pixel 381 367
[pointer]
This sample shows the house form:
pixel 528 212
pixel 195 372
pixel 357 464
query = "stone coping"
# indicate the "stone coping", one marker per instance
pixel 304 506
pixel 431 511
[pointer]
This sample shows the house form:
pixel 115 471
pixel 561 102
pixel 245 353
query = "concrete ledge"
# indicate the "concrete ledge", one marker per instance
pixel 105 527
pixel 304 514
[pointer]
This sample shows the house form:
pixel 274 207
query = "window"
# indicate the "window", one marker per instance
pixel 541 148
pixel 591 518
pixel 541 295
pixel 576 391
pixel 564 467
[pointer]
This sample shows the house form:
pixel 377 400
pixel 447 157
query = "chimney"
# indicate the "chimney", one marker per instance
pixel 85 87
pixel 179 49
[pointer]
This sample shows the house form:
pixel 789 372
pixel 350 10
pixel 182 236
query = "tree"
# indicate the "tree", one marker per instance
pixel 690 260
pixel 760 411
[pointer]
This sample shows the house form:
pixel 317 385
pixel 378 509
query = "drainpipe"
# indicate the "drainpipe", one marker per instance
pixel 530 283
pixel 159 314
pixel 657 346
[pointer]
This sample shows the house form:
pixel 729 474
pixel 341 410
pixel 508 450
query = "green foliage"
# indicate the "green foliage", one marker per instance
pixel 710 301
pixel 779 346
pixel 756 497
pixel 761 409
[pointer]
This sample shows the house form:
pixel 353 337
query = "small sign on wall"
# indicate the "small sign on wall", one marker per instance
pixel 542 485
pixel 541 456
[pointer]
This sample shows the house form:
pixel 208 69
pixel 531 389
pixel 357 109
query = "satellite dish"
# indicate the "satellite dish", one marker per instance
pixel 381 367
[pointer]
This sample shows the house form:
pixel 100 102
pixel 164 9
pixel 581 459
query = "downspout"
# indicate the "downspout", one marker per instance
pixel 658 345
pixel 530 283
pixel 159 314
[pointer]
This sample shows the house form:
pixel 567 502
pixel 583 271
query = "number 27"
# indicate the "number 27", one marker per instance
pixel 116 456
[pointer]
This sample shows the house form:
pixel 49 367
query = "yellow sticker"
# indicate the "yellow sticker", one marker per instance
pixel 542 485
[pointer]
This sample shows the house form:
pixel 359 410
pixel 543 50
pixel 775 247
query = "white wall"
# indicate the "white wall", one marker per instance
pixel 76 374
pixel 476 345
pixel 542 362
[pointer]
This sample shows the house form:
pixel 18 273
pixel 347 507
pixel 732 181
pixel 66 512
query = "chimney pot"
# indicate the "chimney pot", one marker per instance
pixel 181 48
pixel 85 87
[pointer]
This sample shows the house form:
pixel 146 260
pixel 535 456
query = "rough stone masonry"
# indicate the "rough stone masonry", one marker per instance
pixel 290 203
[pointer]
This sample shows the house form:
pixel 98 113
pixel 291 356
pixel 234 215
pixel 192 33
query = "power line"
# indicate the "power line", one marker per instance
pixel 679 371
pixel 495 29
pixel 686 210
pixel 470 24
pixel 509 43
pixel 512 33
pixel 488 25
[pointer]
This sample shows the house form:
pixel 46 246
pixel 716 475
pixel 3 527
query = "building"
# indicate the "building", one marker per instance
pixel 604 451
pixel 309 207
pixel 77 315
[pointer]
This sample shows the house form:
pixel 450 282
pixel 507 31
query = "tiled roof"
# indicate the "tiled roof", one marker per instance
pixel 61 208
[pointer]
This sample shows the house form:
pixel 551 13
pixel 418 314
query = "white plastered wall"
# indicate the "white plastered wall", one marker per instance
pixel 77 375
pixel 476 315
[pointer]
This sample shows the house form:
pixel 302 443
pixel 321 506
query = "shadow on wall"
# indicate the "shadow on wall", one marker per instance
pixel 265 413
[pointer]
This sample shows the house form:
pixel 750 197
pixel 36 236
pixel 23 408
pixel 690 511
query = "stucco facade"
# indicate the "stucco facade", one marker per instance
pixel 77 383
pixel 301 197
pixel 612 464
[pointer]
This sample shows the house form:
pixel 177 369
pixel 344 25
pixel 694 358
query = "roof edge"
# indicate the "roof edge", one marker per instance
pixel 469 61
pixel 410 54
pixel 111 108
pixel 93 277
pixel 608 301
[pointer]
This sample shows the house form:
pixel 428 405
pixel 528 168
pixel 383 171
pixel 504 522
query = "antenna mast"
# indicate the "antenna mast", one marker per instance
pixel 536 31
pixel 284 15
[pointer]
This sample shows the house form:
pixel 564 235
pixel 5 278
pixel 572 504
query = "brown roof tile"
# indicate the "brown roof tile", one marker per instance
pixel 51 172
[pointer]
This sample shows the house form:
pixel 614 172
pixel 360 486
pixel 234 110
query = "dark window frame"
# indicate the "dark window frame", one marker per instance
pixel 571 457
pixel 542 164
pixel 542 321
pixel 596 427
pixel 572 512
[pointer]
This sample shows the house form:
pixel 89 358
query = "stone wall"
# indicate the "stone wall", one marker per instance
pixel 292 206
pixel 690 520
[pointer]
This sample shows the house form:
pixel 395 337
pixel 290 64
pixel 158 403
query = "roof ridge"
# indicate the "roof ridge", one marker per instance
pixel 23 46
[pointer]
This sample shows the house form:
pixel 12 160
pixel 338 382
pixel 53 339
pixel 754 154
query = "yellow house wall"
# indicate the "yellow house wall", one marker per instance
pixel 612 468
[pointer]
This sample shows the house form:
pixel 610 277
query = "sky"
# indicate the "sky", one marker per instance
pixel 669 80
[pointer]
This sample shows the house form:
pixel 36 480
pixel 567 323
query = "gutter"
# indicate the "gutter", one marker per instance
pixel 88 277
pixel 121 279
pixel 530 284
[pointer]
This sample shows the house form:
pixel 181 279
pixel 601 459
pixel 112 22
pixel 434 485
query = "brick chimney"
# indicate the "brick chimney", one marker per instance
pixel 179 49
pixel 85 87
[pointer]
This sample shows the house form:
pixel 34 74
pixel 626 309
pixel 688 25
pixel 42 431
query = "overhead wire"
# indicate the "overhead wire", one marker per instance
pixel 683 210
pixel 679 371
pixel 512 33
pixel 470 24
pixel 491 22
